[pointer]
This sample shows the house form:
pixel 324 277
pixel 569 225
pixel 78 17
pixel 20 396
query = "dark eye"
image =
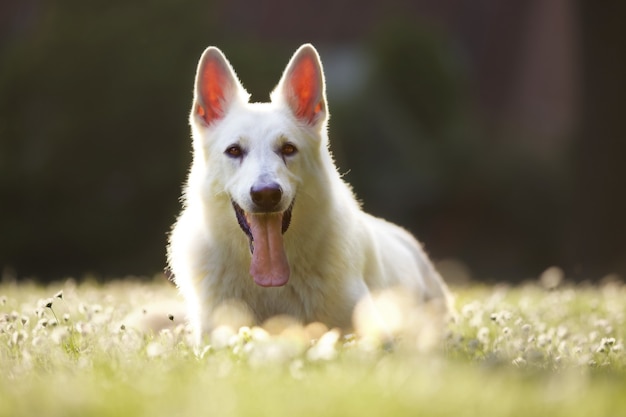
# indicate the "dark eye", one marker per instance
pixel 288 149
pixel 234 151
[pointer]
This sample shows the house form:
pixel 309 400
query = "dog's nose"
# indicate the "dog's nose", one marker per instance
pixel 266 196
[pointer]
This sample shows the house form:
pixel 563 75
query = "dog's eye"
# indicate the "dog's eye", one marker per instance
pixel 288 149
pixel 234 151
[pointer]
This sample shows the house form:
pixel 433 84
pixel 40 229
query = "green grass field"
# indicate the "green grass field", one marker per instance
pixel 71 350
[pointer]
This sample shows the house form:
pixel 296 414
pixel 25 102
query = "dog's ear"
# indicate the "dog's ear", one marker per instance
pixel 216 86
pixel 302 86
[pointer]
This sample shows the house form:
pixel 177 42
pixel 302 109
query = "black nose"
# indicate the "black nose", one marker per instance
pixel 266 196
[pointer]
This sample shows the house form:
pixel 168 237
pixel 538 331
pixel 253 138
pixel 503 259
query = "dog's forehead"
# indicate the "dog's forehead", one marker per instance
pixel 258 122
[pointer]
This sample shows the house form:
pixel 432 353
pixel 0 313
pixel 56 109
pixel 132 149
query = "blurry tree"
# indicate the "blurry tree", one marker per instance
pixel 93 107
pixel 596 242
pixel 94 142
pixel 417 153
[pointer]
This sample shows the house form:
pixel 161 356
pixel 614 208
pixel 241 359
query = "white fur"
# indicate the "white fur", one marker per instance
pixel 337 253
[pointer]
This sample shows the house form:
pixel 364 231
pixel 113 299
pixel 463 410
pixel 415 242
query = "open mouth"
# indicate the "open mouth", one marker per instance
pixel 269 266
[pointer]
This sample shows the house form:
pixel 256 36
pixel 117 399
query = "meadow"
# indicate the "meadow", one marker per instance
pixel 542 348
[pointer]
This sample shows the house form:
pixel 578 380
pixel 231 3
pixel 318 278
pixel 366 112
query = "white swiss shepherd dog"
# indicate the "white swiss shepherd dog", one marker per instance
pixel 267 220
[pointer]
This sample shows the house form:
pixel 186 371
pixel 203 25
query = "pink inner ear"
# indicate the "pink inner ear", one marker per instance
pixel 213 81
pixel 305 85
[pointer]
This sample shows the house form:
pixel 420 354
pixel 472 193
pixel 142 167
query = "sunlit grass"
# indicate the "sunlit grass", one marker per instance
pixel 538 349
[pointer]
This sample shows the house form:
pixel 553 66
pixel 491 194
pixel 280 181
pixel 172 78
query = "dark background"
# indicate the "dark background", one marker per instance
pixel 495 131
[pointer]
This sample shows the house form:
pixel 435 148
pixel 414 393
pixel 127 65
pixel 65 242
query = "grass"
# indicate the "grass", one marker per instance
pixel 72 350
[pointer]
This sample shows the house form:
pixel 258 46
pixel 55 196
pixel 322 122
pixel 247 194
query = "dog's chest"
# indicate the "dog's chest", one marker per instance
pixel 305 303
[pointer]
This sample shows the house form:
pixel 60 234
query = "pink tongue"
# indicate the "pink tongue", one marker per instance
pixel 269 266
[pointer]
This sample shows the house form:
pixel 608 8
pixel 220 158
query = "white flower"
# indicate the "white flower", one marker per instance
pixel 325 348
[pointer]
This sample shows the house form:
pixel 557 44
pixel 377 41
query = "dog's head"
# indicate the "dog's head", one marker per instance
pixel 256 154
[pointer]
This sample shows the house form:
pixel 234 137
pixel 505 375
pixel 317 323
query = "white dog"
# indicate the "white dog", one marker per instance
pixel 268 221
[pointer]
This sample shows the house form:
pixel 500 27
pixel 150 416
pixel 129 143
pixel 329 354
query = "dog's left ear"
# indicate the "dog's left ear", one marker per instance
pixel 302 86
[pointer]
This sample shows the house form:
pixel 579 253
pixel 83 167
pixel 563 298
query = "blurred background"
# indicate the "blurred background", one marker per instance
pixel 495 131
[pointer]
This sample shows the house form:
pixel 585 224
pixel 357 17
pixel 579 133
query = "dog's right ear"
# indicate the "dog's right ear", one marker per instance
pixel 216 86
pixel 302 86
